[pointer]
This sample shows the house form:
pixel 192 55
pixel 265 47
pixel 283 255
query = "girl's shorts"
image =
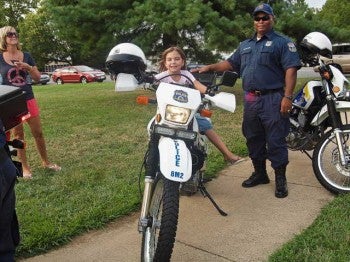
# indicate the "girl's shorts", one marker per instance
pixel 203 123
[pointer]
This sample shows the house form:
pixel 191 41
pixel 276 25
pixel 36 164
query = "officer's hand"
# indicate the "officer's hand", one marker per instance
pixel 201 69
pixel 286 106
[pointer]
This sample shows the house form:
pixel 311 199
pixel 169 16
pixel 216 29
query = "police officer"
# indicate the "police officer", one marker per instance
pixel 267 63
pixel 9 233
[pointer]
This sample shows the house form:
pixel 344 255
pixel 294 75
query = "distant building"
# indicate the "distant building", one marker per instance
pixel 49 68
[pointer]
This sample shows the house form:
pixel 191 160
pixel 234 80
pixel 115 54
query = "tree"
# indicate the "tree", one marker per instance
pixel 335 14
pixel 14 11
pixel 85 27
pixel 39 38
pixel 195 25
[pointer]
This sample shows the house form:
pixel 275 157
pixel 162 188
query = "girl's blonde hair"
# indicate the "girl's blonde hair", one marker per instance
pixel 3 31
pixel 166 52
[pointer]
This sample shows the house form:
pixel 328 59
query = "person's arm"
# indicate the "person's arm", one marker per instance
pixel 218 67
pixel 32 70
pixel 290 82
pixel 200 87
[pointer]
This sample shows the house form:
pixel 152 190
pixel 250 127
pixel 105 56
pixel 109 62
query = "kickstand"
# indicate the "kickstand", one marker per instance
pixel 205 193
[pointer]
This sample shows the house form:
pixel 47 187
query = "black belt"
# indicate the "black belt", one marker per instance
pixel 265 91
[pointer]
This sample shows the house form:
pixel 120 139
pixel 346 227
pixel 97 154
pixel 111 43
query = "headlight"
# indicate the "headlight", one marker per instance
pixel 177 114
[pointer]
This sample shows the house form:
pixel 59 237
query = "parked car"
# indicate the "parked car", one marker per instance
pixel 44 79
pixel 78 74
pixel 341 56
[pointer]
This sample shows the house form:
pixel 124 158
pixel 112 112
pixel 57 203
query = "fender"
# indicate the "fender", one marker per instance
pixel 175 159
pixel 341 106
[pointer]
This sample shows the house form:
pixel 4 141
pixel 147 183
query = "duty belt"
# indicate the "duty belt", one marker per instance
pixel 265 91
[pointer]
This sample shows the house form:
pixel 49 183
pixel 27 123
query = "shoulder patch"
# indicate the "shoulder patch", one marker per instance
pixel 292 47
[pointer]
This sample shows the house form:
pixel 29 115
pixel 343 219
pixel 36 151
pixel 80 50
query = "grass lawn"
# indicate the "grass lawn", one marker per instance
pixel 99 138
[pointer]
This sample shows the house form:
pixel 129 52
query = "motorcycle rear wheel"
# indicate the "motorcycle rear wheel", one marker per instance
pixel 326 164
pixel 159 236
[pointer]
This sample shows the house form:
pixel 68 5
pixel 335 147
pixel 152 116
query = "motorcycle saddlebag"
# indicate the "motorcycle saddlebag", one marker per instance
pixel 13 106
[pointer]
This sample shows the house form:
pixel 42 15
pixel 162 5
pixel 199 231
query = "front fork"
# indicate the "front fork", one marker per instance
pixel 146 200
pixel 336 124
pixel 152 166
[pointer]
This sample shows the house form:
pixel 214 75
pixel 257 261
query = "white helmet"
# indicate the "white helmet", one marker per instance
pixel 317 43
pixel 126 58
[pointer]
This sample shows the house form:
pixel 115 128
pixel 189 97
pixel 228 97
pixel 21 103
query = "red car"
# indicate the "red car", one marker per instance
pixel 78 74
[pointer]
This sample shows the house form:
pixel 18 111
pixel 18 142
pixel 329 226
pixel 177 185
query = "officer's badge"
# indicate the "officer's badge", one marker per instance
pixel 180 96
pixel 292 47
pixel 268 43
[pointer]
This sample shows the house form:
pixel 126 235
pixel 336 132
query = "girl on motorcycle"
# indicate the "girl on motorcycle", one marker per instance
pixel 173 61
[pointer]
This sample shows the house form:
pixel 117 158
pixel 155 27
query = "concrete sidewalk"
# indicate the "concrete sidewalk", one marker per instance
pixel 257 224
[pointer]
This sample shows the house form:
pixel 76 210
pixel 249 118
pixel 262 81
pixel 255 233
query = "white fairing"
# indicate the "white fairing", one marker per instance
pixel 223 100
pixel 125 82
pixel 338 80
pixel 341 106
pixel 169 94
pixel 175 159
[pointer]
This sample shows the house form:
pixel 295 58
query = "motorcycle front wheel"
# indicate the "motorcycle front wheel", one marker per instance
pixel 326 163
pixel 159 236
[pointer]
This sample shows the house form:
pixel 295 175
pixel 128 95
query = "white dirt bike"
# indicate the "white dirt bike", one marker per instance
pixel 319 118
pixel 174 160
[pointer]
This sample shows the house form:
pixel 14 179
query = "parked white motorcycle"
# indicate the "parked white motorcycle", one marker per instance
pixel 319 117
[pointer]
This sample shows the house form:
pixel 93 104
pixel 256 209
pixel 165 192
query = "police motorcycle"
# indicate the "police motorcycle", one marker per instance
pixel 175 159
pixel 13 111
pixel 319 117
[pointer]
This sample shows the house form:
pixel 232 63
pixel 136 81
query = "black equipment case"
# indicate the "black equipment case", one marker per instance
pixel 13 106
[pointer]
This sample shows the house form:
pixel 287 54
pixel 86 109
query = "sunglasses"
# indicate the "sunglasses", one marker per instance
pixel 264 18
pixel 12 34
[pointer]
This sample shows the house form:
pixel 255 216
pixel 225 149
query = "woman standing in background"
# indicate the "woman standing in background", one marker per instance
pixel 18 68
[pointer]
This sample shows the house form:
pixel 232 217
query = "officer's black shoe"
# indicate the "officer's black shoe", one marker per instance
pixel 256 179
pixel 281 186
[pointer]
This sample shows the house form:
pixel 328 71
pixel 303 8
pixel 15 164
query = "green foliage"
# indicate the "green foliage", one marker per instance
pixel 12 12
pixel 36 30
pixel 84 31
pixel 337 13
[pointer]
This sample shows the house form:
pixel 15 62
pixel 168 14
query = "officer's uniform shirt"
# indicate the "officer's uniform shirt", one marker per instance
pixel 262 63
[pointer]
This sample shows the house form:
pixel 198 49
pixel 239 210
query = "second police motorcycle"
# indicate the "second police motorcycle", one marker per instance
pixel 319 117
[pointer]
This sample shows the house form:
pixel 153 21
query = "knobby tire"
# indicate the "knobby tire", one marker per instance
pixel 158 241
pixel 326 163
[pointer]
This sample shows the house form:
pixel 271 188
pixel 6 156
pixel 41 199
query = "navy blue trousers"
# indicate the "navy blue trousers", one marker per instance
pixel 9 231
pixel 265 129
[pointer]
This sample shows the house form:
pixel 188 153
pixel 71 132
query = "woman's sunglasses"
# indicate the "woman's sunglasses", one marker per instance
pixel 264 18
pixel 12 34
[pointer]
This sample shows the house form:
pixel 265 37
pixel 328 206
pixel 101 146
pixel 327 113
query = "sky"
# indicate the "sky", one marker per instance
pixel 315 3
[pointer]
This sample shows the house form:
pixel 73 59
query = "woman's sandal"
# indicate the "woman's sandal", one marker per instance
pixel 27 176
pixel 53 167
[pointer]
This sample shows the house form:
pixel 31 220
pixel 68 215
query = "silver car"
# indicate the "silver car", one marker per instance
pixel 341 56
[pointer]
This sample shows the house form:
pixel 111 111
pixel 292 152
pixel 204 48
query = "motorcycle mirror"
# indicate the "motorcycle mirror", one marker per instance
pixel 228 78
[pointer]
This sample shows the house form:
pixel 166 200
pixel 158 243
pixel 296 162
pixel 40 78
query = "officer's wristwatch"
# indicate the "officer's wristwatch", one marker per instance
pixel 288 97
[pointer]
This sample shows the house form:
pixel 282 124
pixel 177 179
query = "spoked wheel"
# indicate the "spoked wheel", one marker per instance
pixel 329 170
pixel 159 237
